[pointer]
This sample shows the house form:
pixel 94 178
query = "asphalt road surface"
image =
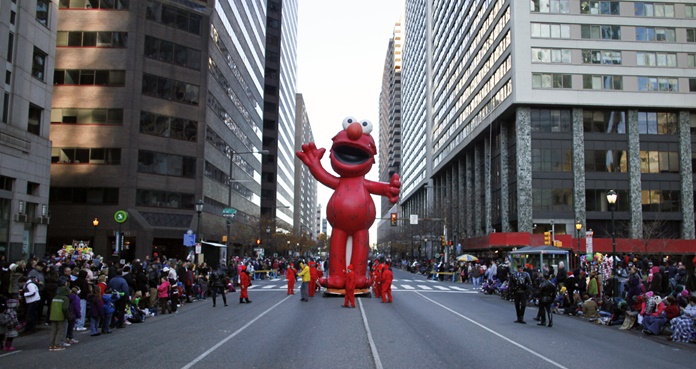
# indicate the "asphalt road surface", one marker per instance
pixel 429 325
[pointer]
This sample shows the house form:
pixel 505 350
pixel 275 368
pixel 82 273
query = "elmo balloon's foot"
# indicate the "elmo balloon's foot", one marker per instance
pixel 362 282
pixel 333 281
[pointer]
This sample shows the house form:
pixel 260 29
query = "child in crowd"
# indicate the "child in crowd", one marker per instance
pixel 8 324
pixel 74 315
pixel 96 310
pixel 109 298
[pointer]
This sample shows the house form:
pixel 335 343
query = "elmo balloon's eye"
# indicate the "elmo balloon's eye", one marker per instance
pixel 366 126
pixel 347 121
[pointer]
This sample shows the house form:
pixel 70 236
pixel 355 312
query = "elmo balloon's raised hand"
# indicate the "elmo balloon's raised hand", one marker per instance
pixel 350 210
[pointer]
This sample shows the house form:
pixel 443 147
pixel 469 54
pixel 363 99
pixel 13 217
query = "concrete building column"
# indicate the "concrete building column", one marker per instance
pixel 504 188
pixel 524 170
pixel 685 171
pixel 471 209
pixel 487 222
pixel 634 177
pixel 478 190
pixel 579 200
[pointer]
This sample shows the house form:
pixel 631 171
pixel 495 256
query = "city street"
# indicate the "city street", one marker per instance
pixel 430 325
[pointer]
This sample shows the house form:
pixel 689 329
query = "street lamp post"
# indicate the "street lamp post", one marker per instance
pixel 268 238
pixel 578 227
pixel 95 223
pixel 611 199
pixel 199 209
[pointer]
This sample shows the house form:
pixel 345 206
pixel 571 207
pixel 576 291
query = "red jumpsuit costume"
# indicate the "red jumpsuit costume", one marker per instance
pixel 313 276
pixel 349 277
pixel 377 276
pixel 244 283
pixel 291 274
pixel 350 210
pixel 387 277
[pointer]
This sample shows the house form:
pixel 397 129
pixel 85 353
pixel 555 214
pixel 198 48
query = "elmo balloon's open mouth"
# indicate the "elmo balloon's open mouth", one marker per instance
pixel 350 155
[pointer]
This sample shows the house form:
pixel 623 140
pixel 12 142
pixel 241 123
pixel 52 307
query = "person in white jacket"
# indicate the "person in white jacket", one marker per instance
pixel 32 299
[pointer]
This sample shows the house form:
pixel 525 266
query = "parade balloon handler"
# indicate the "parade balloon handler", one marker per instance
pixel 350 210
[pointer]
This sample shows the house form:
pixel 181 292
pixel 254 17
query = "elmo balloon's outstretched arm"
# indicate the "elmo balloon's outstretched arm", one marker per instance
pixel 311 157
pixel 390 190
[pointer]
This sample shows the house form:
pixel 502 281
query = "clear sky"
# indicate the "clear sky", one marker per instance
pixel 341 48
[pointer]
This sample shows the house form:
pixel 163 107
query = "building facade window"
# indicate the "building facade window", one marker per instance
pixel 10 47
pixel 550 6
pixel 660 201
pixel 550 120
pixel 659 162
pixel 38 64
pixel 692 84
pixel 86 116
pixel 85 155
pixel 653 59
pixel 80 195
pixel 174 17
pixel 601 57
pixel 164 199
pixel 90 77
pixel 94 4
pixel 546 30
pixel 169 89
pixel 172 53
pixel 604 121
pixel 590 82
pixel 5 107
pixel 556 200
pixel 643 9
pixel 657 123
pixel 599 7
pixel 166 164
pixel 551 80
pixel 105 39
pixel 690 11
pixel 552 160
pixel 34 121
pixel 596 200
pixel 550 55
pixel 691 60
pixel 42 12
pixel 691 35
pixel 662 84
pixel 603 161
pixel 170 127
pixel 656 34
pixel 599 32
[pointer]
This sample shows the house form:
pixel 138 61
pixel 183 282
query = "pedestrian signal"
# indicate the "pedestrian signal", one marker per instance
pixel 547 238
pixel 393 219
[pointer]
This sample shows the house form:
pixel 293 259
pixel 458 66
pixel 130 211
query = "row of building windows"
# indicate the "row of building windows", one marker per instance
pixel 170 89
pixel 86 116
pixel 659 162
pixel 641 9
pixel 78 155
pixel 603 121
pixel 173 17
pixel 170 127
pixel 219 143
pixel 561 200
pixel 164 199
pixel 90 77
pixel 217 175
pixel 94 4
pixel 612 161
pixel 105 39
pixel 607 82
pixel 166 164
pixel 612 57
pixel 170 52
pixel 84 195
pixel 552 160
pixel 609 32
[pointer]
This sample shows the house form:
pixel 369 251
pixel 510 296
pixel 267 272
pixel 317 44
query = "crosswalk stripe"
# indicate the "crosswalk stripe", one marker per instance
pixel 442 288
pixel 424 287
pixel 458 288
pixel 393 287
pixel 267 287
pixel 252 287
pixel 408 287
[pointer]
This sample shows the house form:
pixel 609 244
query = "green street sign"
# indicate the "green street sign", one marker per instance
pixel 121 216
pixel 229 212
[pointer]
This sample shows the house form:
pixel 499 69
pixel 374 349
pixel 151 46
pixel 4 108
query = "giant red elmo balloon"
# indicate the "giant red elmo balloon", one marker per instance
pixel 350 210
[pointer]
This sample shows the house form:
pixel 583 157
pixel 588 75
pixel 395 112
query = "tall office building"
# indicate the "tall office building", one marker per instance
pixel 390 123
pixel 539 108
pixel 277 193
pixel 27 53
pixel 157 106
pixel 305 185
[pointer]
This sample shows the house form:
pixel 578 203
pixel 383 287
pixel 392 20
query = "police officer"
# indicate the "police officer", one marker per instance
pixel 520 284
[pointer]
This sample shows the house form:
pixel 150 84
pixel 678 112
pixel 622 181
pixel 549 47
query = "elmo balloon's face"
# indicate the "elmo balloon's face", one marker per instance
pixel 353 150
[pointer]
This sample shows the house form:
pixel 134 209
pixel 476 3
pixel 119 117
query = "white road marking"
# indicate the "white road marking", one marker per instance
pixel 525 348
pixel 238 331
pixel 408 287
pixel 442 288
pixel 373 347
pixel 424 287
pixel 458 288
pixel 267 287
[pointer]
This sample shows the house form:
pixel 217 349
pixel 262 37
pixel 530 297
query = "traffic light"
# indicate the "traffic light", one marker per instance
pixel 451 243
pixel 393 219
pixel 258 241
pixel 547 238
pixel 442 240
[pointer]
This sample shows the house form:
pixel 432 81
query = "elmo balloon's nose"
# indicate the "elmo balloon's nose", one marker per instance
pixel 354 131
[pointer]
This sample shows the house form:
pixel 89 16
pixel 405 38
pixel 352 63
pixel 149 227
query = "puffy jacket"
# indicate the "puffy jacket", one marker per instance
pixel 305 274
pixel 60 305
